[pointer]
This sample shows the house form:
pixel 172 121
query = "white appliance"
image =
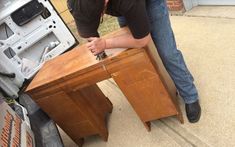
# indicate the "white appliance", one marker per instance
pixel 31 32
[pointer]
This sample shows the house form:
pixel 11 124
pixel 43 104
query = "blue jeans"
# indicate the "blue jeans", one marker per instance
pixel 163 38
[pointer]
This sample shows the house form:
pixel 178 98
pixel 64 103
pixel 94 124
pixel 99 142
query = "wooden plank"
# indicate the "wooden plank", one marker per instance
pixel 60 5
pixel 62 9
pixel 67 17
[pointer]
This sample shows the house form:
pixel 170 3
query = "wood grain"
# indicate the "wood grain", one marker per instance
pixel 66 88
pixel 143 88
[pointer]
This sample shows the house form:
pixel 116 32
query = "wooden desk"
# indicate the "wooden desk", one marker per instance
pixel 66 89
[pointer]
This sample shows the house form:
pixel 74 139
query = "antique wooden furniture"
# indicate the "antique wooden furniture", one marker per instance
pixel 66 88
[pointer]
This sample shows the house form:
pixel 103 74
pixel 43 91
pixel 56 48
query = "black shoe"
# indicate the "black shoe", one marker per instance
pixel 193 112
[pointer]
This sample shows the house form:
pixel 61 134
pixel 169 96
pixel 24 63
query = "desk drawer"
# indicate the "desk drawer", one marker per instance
pixel 123 63
pixel 77 82
pixel 45 91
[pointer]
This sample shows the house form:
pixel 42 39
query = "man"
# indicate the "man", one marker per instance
pixel 144 18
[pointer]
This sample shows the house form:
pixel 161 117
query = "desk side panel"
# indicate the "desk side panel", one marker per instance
pixel 141 84
pixel 157 62
pixel 67 114
pixel 165 77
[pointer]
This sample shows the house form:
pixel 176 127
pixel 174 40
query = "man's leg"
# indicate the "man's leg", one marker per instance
pixel 172 58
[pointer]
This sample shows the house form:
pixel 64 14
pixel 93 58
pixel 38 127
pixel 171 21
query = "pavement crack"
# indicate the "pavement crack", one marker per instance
pixel 182 136
pixel 172 129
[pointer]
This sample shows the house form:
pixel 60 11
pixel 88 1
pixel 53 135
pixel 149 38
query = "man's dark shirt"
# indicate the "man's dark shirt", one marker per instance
pixel 134 11
pixel 135 14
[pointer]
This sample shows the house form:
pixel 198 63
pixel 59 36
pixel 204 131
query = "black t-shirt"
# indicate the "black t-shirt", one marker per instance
pixel 135 14
pixel 87 14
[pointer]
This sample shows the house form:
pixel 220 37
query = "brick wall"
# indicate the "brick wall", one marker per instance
pixel 175 5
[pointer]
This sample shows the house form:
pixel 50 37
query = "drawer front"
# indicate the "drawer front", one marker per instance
pixel 75 83
pixel 50 89
pixel 121 64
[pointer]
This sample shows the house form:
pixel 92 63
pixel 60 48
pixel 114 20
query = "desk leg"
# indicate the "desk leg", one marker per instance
pixel 80 142
pixel 180 118
pixel 147 125
pixel 179 115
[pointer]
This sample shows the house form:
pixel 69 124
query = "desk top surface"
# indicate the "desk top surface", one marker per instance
pixel 77 61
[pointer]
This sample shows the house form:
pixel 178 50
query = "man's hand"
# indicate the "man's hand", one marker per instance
pixel 96 45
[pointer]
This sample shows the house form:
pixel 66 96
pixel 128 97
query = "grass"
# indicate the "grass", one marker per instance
pixel 109 24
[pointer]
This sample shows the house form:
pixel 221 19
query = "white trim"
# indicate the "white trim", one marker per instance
pixel 216 2
pixel 189 4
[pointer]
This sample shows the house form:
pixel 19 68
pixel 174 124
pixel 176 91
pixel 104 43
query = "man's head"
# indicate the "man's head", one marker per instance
pixel 87 14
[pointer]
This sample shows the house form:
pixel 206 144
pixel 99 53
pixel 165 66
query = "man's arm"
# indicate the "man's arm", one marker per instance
pixel 126 40
pixel 137 36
